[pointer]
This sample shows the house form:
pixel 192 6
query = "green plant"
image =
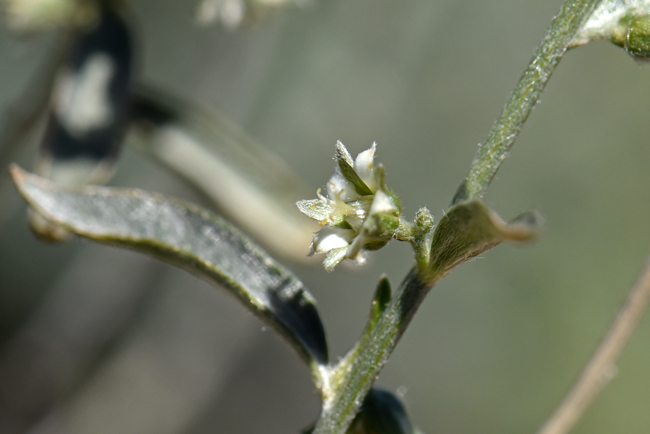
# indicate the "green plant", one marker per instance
pixel 467 229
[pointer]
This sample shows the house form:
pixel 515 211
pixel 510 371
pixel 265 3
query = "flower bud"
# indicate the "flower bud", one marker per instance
pixel 638 37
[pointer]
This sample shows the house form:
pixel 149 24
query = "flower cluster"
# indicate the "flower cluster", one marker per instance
pixel 358 211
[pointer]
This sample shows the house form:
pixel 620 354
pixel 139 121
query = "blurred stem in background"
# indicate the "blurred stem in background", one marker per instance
pixel 600 368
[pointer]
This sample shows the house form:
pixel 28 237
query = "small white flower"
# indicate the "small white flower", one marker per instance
pixel 358 211
pixel 364 167
pixel 331 238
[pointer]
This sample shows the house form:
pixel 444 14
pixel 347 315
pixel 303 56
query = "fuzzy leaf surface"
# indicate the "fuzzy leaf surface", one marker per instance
pixel 471 228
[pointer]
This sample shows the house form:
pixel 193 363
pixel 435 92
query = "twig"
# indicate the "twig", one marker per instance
pixel 597 372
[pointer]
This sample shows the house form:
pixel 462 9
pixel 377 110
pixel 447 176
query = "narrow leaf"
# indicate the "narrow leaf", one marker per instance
pixel 194 239
pixel 471 228
pixel 380 301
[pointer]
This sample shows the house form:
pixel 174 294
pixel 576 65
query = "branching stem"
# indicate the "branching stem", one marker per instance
pixel 339 411
pixel 359 375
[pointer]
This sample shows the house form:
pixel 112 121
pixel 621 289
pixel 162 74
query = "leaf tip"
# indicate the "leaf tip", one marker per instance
pixel 18 174
pixel 526 227
pixel 40 221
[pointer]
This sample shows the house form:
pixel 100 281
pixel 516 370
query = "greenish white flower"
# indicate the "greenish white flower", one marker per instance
pixel 358 211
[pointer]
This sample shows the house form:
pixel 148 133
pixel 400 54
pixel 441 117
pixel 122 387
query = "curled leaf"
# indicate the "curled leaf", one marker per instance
pixel 471 228
pixel 194 239
pixel 334 257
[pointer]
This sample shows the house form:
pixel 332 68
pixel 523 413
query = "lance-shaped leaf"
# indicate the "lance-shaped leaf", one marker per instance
pixel 380 300
pixel 193 238
pixel 471 228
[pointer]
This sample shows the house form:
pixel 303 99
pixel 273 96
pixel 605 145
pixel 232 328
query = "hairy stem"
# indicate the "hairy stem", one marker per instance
pixel 359 375
pixel 597 372
pixel 507 127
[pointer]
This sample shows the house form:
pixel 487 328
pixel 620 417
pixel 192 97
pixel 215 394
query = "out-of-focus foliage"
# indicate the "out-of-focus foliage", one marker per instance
pixel 39 15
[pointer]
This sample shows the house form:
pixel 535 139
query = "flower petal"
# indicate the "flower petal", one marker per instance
pixel 339 188
pixel 331 238
pixel 382 203
pixel 363 165
pixel 316 209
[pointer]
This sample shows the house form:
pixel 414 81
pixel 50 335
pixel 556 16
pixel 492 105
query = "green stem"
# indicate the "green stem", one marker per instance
pixel 506 129
pixel 342 403
pixel 357 378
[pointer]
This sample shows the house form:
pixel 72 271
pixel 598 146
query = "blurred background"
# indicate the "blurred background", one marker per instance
pixel 102 340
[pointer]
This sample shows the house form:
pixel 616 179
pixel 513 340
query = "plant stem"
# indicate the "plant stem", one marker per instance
pixel 533 81
pixel 357 378
pixel 598 370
